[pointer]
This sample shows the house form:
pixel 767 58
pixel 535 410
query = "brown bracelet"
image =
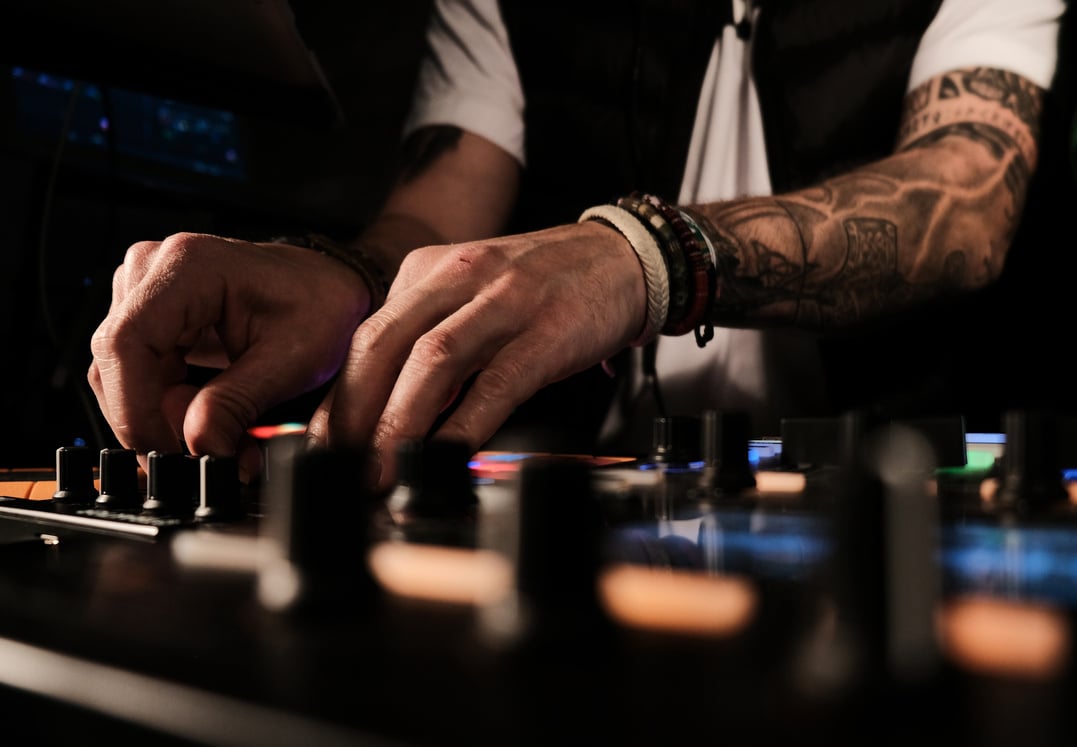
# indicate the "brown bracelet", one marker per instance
pixel 700 270
pixel 366 268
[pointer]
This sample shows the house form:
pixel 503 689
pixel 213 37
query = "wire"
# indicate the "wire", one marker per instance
pixel 650 376
pixel 60 377
pixel 46 211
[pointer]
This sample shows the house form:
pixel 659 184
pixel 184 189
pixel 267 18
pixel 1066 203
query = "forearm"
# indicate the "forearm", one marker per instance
pixel 452 187
pixel 933 219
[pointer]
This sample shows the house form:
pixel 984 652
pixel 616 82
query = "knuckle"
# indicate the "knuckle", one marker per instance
pixel 500 381
pixel 369 334
pixel 389 429
pixel 434 348
pixel 103 340
pixel 139 253
pixel 179 246
pixel 93 377
pixel 237 404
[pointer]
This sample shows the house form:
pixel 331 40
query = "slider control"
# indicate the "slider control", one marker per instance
pixel 172 484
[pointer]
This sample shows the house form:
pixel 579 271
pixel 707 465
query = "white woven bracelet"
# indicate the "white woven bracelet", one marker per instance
pixel 655 272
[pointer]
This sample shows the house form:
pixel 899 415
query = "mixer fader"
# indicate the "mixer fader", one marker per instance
pixel 849 578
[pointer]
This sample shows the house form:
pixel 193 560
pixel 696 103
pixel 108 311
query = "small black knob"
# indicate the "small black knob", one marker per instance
pixel 118 472
pixel 676 439
pixel 1031 479
pixel 171 484
pixel 434 500
pixel 219 497
pixel 725 438
pixel 316 527
pixel 74 475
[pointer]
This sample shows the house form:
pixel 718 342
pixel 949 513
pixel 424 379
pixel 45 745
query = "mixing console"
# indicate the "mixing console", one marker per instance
pixel 850 578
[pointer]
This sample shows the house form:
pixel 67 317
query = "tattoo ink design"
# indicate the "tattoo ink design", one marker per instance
pixel 982 94
pixel 1017 172
pixel 1006 89
pixel 895 232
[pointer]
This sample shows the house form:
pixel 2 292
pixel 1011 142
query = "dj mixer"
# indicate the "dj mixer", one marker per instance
pixel 850 578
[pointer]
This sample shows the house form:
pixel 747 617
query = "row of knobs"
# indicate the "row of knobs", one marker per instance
pixel 206 488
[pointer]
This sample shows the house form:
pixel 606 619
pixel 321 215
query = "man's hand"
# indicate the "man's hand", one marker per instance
pixel 276 319
pixel 521 312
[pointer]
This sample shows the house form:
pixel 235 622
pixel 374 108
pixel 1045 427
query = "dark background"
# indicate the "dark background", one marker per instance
pixel 285 117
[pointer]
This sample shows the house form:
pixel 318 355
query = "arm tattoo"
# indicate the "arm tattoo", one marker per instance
pixel 933 219
pixel 423 147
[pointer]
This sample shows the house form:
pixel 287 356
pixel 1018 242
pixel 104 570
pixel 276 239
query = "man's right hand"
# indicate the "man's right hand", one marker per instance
pixel 276 319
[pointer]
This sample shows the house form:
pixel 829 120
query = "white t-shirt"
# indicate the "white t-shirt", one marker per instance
pixel 470 81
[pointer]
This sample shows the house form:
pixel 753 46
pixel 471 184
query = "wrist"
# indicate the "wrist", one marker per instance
pixel 681 269
pixel 655 269
pixel 370 272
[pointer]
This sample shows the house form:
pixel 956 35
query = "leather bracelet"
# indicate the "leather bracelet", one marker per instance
pixel 366 268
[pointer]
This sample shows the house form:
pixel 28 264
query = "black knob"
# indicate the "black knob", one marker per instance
pixel 434 500
pixel 118 470
pixel 316 526
pixel 556 610
pixel 219 497
pixel 676 439
pixel 74 476
pixel 725 438
pixel 171 484
pixel 1031 477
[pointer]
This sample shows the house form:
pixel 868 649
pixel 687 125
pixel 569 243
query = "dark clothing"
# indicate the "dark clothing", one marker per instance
pixel 611 100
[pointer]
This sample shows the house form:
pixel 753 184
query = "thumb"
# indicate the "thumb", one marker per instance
pixel 222 411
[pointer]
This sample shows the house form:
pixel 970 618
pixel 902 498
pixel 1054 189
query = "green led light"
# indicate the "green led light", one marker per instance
pixel 977 463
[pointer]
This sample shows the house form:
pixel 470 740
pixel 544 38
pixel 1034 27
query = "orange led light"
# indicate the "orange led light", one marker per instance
pixel 999 636
pixel 677 601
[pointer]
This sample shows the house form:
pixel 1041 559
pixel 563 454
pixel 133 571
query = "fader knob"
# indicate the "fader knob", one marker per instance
pixel 556 642
pixel 118 470
pixel 317 529
pixel 558 558
pixel 171 484
pixel 74 476
pixel 1031 477
pixel 881 578
pixel 724 449
pixel 676 439
pixel 434 500
pixel 219 496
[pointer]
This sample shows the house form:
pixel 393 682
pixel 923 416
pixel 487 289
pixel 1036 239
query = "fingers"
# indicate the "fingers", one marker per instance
pixel 161 302
pixel 516 313
pixel 282 315
pixel 381 346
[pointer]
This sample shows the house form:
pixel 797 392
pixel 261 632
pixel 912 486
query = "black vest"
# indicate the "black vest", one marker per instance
pixel 612 88
pixel 611 93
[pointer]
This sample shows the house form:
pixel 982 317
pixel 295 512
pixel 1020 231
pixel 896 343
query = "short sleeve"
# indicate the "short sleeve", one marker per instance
pixel 1020 36
pixel 468 77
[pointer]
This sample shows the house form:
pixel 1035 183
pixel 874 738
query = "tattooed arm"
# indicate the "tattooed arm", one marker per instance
pixel 937 216
pixel 511 314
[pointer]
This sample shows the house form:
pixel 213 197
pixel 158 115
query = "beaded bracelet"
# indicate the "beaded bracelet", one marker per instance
pixel 370 272
pixel 655 270
pixel 704 331
pixel 680 285
pixel 701 269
